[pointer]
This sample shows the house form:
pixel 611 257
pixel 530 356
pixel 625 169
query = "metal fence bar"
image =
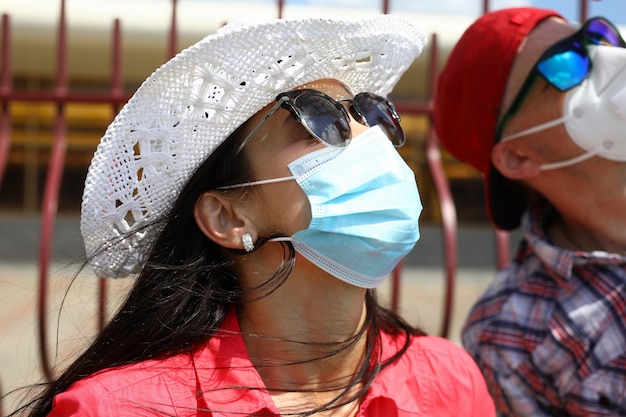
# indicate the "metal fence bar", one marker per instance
pixel 446 202
pixel 5 88
pixel 173 35
pixel 51 190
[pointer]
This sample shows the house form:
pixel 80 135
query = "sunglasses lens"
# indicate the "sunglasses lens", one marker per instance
pixel 564 70
pixel 378 111
pixel 567 63
pixel 600 31
pixel 320 115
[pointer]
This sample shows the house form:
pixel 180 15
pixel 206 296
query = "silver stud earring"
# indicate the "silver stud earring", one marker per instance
pixel 248 245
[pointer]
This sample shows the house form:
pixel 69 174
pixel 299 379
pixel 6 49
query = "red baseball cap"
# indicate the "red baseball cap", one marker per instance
pixel 468 96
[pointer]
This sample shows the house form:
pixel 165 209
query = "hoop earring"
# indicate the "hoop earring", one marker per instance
pixel 248 245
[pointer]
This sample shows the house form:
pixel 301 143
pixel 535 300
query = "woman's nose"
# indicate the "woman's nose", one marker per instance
pixel 357 128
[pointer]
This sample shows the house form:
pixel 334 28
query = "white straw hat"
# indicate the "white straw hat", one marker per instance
pixel 188 106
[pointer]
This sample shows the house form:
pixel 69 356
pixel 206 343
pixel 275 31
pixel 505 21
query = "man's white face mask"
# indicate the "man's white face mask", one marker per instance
pixel 594 112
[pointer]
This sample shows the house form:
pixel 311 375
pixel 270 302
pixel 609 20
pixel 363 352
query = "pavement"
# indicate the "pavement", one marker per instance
pixel 72 309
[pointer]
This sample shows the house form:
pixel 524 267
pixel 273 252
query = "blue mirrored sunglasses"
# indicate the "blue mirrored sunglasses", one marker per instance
pixel 327 120
pixel 566 64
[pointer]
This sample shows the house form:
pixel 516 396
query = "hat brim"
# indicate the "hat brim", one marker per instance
pixel 192 103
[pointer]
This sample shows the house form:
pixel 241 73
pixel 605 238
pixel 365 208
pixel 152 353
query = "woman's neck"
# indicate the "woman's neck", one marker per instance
pixel 311 326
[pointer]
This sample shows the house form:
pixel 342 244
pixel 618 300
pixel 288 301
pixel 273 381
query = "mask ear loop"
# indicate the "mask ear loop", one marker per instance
pixel 535 129
pixel 260 182
pixel 545 126
pixel 568 162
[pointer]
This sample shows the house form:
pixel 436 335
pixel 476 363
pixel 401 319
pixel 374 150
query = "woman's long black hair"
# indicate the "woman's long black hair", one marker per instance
pixel 185 290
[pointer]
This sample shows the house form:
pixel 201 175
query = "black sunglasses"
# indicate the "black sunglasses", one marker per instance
pixel 566 64
pixel 327 120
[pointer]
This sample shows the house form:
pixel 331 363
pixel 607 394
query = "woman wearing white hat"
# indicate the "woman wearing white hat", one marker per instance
pixel 252 186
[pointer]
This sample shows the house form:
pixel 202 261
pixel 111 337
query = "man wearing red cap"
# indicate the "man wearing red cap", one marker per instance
pixel 538 106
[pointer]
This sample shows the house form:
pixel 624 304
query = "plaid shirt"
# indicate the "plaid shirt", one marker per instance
pixel 550 331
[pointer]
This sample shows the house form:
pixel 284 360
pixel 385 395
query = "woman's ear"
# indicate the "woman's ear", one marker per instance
pixel 512 160
pixel 218 218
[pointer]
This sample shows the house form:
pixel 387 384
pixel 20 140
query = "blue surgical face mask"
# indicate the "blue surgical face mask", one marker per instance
pixel 365 208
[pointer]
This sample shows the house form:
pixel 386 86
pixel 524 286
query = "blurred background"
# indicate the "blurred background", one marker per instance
pixel 67 67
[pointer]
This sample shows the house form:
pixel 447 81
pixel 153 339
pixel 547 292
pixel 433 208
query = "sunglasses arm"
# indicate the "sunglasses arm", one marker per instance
pixel 258 126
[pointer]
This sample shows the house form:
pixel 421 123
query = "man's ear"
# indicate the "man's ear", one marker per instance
pixel 218 218
pixel 512 160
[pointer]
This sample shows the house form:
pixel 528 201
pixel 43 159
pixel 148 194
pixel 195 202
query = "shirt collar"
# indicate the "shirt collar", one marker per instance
pixel 225 360
pixel 394 382
pixel 559 261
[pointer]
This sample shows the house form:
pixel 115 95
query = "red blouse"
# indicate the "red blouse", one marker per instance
pixel 435 377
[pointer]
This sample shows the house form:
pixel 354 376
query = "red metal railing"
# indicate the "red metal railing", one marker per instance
pixel 448 209
pixel 5 88
pixel 60 96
